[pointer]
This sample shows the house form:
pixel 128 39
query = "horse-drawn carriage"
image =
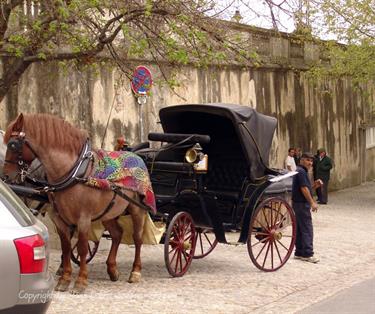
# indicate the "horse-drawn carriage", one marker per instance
pixel 209 171
pixel 211 176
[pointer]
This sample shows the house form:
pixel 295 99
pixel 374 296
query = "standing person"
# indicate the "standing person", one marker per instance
pixel 323 167
pixel 121 144
pixel 297 155
pixel 303 202
pixel 290 164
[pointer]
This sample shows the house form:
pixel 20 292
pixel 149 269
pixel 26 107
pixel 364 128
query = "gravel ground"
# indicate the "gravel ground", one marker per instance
pixel 227 282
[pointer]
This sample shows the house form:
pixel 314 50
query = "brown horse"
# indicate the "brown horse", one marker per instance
pixel 59 145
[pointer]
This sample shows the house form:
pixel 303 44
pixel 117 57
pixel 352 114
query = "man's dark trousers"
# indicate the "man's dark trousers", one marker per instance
pixel 305 234
pixel 322 192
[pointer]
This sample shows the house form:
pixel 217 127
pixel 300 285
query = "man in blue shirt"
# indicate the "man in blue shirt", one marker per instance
pixel 303 202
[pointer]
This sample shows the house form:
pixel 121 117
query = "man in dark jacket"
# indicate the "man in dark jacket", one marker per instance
pixel 303 203
pixel 323 166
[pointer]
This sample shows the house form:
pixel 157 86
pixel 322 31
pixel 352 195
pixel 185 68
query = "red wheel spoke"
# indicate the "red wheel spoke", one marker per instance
pixel 265 218
pixel 265 228
pixel 262 233
pixel 279 209
pixel 260 252
pixel 174 255
pixel 180 259
pixel 278 252
pixel 174 232
pixel 261 241
pixel 207 238
pixel 282 245
pixel 189 237
pixel 175 263
pixel 206 241
pixel 173 242
pixel 173 249
pixel 271 254
pixel 283 218
pixel 186 257
pixel 200 242
pixel 265 257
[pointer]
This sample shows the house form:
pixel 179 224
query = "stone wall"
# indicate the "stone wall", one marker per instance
pixel 370 162
pixel 311 115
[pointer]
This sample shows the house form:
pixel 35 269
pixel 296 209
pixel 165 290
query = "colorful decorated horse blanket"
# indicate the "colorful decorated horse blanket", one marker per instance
pixel 122 169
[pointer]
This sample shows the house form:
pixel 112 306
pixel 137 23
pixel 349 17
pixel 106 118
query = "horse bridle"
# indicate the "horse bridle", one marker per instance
pixel 16 145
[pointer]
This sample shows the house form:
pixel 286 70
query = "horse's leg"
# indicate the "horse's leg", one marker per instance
pixel 80 284
pixel 115 231
pixel 66 274
pixel 60 270
pixel 138 217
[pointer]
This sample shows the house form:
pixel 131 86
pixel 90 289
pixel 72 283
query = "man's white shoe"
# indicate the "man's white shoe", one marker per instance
pixel 311 259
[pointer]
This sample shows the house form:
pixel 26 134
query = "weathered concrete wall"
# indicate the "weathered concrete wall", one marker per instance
pixel 370 162
pixel 311 115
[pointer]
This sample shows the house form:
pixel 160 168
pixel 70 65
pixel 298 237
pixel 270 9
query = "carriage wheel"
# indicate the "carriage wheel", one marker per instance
pixel 92 246
pixel 272 234
pixel 205 243
pixel 179 244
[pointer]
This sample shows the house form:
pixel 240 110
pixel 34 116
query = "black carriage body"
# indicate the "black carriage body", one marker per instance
pixel 238 173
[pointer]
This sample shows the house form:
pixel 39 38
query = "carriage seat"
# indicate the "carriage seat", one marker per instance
pixel 280 187
pixel 225 178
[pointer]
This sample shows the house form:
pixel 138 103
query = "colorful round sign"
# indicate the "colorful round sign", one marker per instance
pixel 142 81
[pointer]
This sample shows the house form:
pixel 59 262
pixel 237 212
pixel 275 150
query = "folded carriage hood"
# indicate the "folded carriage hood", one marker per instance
pixel 254 130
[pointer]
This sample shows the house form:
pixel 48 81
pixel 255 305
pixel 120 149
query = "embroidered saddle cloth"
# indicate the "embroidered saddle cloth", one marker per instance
pixel 125 170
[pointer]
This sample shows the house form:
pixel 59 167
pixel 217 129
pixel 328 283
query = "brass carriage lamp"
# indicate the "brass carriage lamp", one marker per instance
pixel 196 157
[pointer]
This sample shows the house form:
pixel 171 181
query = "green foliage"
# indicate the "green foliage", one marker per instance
pixel 351 23
pixel 172 32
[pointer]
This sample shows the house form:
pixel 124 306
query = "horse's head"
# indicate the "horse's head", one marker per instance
pixel 19 153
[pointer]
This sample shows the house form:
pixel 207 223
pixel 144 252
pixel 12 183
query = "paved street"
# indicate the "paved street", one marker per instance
pixel 358 299
pixel 227 282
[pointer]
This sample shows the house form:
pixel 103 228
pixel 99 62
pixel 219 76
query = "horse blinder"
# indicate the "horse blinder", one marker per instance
pixel 15 146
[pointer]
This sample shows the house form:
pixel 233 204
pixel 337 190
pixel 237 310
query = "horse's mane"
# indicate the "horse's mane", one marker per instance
pixel 50 131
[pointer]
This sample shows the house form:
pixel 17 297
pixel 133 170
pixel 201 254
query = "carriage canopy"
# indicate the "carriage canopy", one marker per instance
pixel 237 132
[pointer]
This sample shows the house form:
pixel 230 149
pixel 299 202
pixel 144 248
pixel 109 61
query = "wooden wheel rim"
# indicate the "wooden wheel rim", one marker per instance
pixel 205 243
pixel 92 247
pixel 272 234
pixel 179 244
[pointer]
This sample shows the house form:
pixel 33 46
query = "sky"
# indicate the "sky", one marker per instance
pixel 255 12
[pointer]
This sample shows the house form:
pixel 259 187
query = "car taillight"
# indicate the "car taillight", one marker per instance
pixel 31 254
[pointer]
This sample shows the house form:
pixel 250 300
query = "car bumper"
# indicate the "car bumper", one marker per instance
pixel 28 308
pixel 36 298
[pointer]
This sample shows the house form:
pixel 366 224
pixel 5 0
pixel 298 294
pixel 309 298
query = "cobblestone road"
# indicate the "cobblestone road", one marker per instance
pixel 227 282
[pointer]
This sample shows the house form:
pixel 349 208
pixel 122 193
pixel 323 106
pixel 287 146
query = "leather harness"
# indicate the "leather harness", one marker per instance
pixel 76 175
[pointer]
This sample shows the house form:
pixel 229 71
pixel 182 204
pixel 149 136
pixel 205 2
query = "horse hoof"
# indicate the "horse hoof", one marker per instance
pixel 78 289
pixel 114 275
pixel 62 285
pixel 134 277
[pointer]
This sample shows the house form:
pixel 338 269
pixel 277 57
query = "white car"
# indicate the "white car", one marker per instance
pixel 26 284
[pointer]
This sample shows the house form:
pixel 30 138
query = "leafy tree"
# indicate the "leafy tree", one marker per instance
pixel 349 23
pixel 167 32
